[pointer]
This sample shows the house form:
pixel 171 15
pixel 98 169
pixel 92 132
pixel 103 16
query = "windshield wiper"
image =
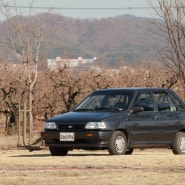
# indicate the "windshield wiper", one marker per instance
pixel 83 110
pixel 97 109
pixel 106 109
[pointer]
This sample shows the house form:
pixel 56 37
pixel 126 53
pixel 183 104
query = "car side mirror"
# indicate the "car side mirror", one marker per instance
pixel 137 109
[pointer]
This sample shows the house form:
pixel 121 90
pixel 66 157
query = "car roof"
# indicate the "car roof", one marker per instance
pixel 135 89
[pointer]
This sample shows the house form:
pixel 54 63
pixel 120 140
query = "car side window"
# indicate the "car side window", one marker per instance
pixel 179 104
pixel 164 102
pixel 145 100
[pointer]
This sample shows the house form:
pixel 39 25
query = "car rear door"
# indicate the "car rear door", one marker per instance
pixel 169 114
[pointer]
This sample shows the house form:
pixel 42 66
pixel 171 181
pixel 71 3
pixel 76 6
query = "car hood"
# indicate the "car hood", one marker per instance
pixel 81 117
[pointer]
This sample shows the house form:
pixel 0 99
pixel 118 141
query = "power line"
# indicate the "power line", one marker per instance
pixel 79 8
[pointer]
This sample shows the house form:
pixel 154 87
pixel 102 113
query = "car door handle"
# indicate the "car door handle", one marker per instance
pixel 154 117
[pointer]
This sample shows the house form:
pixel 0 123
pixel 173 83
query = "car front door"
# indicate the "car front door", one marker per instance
pixel 144 125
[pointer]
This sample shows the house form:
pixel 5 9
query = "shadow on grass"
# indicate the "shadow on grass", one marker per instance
pixel 93 153
pixel 49 155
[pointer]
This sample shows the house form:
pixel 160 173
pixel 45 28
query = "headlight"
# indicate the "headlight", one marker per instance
pixel 95 125
pixel 50 125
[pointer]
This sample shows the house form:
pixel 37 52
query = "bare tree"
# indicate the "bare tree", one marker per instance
pixel 9 92
pixel 73 84
pixel 47 101
pixel 24 37
pixel 172 29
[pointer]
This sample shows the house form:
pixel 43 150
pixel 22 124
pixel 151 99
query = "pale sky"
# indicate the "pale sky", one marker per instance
pixel 139 8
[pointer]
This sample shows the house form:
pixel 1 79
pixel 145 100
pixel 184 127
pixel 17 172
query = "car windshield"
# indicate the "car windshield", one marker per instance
pixel 106 101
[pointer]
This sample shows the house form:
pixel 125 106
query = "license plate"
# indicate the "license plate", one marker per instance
pixel 67 136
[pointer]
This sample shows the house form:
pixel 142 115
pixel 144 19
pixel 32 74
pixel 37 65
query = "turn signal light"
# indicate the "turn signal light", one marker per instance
pixel 90 134
pixel 46 134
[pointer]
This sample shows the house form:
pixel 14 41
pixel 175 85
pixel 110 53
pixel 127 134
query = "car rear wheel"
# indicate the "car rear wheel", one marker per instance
pixel 178 146
pixel 117 144
pixel 56 151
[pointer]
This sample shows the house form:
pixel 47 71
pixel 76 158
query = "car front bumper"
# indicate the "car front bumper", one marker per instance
pixel 83 139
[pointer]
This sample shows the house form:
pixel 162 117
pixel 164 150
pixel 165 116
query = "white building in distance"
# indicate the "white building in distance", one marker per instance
pixel 55 64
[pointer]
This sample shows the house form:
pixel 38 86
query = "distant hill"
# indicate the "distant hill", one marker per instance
pixel 113 40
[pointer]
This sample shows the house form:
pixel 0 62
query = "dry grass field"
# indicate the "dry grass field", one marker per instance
pixel 143 167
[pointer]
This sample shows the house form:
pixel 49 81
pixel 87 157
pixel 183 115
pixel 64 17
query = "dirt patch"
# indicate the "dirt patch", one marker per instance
pixel 156 166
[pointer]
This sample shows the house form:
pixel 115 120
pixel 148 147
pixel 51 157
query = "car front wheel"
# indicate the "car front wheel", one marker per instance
pixel 56 151
pixel 178 146
pixel 117 143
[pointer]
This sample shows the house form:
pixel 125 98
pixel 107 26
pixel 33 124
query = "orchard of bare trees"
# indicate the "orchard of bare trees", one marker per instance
pixel 57 92
pixel 49 92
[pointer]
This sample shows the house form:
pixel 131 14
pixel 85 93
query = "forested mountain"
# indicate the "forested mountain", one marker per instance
pixel 113 40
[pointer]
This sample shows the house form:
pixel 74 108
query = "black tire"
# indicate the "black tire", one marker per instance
pixel 56 151
pixel 129 151
pixel 178 146
pixel 117 144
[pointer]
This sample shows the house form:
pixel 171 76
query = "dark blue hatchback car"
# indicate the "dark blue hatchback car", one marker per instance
pixel 120 120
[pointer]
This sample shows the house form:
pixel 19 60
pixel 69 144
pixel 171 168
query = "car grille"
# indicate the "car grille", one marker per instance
pixel 71 127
